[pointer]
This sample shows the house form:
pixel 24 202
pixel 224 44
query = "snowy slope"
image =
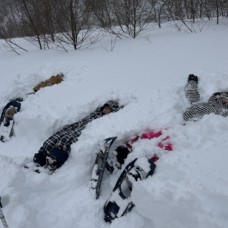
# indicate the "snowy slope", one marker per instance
pixel 148 75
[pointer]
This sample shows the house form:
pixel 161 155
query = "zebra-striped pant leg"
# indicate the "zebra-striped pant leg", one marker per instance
pixel 191 92
pixel 197 111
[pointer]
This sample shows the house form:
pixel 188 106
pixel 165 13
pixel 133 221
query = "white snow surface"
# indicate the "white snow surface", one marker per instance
pixel 148 75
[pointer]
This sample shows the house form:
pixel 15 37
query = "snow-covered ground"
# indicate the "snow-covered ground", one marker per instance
pixel 148 75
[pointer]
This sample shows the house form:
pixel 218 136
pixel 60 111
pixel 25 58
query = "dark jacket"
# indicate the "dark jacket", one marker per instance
pixel 15 103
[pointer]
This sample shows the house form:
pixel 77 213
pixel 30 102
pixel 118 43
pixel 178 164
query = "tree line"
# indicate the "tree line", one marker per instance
pixel 73 22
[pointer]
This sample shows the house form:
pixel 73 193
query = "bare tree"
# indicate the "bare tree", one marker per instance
pixel 123 16
pixel 103 13
pixel 158 11
pixel 131 16
pixel 64 22
pixel 48 13
pixel 37 21
pixel 74 22
pixel 31 19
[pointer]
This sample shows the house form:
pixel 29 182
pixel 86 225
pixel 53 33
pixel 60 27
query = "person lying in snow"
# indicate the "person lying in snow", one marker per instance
pixel 14 106
pixel 111 157
pixel 217 103
pixel 55 150
pixel 119 202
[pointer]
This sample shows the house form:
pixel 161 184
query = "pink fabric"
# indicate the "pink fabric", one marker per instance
pixel 164 143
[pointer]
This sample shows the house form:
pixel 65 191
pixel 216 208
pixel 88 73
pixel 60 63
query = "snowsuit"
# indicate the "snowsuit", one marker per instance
pixel 214 105
pixel 119 202
pixel 58 145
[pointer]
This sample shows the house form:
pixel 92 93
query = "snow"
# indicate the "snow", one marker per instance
pixel 147 75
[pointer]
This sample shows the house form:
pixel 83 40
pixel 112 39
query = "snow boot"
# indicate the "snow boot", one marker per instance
pixel 193 77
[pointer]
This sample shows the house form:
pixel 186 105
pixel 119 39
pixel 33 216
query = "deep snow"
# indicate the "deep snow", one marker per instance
pixel 148 75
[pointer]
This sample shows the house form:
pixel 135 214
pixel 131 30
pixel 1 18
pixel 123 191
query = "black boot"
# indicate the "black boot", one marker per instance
pixel 40 157
pixel 193 77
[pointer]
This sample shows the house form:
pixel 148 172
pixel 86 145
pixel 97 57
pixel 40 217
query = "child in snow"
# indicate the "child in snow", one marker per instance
pixel 119 202
pixel 217 103
pixel 56 149
pixel 14 106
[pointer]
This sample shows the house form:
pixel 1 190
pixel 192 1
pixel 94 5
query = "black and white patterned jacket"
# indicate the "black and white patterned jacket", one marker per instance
pixel 70 133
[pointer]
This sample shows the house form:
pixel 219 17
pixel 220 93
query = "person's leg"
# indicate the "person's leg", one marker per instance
pixel 54 139
pixel 191 89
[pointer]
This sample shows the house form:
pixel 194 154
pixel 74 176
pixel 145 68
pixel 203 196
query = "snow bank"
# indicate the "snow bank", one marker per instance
pixel 147 75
